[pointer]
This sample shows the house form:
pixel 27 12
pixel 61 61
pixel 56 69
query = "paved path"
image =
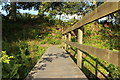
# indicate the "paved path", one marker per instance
pixel 56 64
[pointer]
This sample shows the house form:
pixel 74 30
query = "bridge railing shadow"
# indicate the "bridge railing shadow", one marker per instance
pixel 42 64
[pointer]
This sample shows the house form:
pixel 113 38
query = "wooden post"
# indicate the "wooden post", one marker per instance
pixel 65 37
pixel 79 53
pixel 69 39
pixel 62 41
pixel 69 36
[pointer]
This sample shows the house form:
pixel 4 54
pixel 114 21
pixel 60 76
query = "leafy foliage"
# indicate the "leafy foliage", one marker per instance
pixel 21 49
pixel 22 39
pixel 5 58
pixel 23 43
pixel 21 62
pixel 100 36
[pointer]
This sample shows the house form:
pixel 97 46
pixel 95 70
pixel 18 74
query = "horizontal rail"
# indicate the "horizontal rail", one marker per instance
pixel 104 54
pixel 103 10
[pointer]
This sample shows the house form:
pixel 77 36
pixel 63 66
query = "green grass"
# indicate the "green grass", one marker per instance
pixel 53 37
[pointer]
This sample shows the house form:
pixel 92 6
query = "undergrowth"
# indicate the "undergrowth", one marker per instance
pixel 97 35
pixel 21 45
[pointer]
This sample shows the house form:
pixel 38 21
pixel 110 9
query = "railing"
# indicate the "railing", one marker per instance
pixel 104 54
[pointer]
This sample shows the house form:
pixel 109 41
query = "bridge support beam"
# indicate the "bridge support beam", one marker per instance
pixel 79 53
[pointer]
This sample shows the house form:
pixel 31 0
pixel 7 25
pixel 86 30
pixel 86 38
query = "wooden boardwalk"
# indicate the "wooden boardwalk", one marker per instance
pixel 56 64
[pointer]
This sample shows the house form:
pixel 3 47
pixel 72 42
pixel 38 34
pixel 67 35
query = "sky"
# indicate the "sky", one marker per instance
pixel 35 12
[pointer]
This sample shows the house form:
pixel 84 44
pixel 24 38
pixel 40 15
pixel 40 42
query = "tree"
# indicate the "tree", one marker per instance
pixel 11 8
pixel 12 12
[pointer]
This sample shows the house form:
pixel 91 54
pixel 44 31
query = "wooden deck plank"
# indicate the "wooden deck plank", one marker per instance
pixel 56 64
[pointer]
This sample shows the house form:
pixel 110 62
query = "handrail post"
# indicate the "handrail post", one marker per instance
pixel 79 53
pixel 62 41
pixel 69 39
pixel 65 37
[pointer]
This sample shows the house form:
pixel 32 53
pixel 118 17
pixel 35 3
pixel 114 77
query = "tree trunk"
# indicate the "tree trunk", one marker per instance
pixel 12 12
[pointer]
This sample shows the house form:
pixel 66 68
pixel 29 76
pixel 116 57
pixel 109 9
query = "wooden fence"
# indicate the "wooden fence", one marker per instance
pixel 104 54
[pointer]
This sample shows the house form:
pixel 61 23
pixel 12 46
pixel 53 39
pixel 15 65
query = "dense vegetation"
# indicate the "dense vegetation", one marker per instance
pixel 22 44
pixel 105 37
pixel 25 37
pixel 100 36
